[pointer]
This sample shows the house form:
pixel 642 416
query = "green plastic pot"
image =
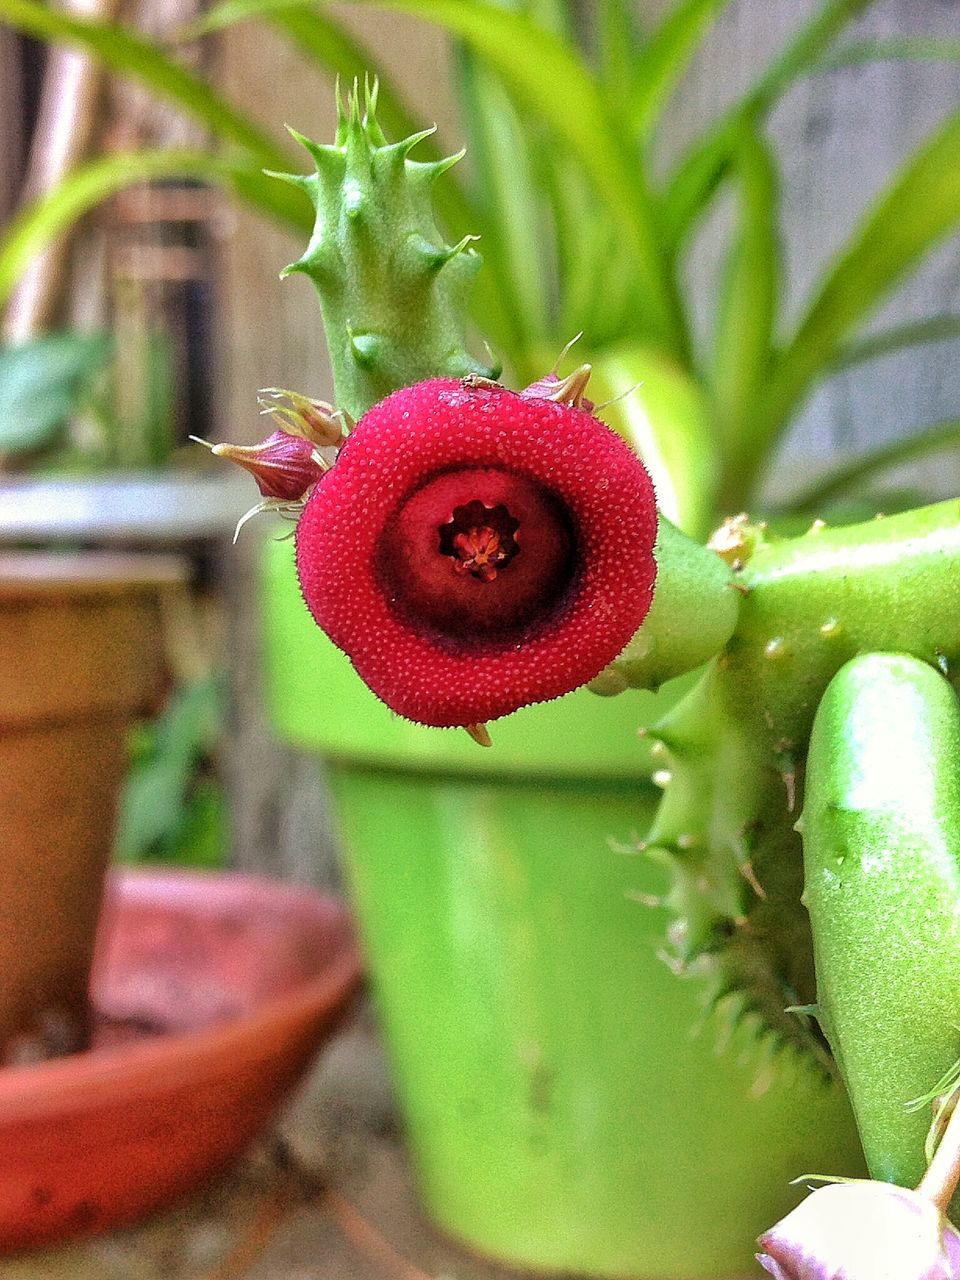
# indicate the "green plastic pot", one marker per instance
pixel 565 1101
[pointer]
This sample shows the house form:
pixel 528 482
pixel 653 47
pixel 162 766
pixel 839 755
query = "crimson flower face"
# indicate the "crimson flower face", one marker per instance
pixel 474 550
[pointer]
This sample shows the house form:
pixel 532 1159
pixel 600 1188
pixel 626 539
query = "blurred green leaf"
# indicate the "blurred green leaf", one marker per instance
pixel 583 245
pixel 916 211
pixel 861 471
pixel 514 234
pixel 663 60
pixel 659 409
pixel 143 432
pixel 619 45
pixel 157 428
pixel 747 310
pixel 229 12
pixel 556 16
pixel 893 49
pixel 41 222
pixel 900 338
pixel 147 63
pixel 611 288
pixel 202 839
pixel 155 806
pixel 41 384
pixel 545 75
pixel 708 161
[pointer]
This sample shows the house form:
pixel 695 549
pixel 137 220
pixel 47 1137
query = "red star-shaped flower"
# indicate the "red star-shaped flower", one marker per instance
pixel 474 550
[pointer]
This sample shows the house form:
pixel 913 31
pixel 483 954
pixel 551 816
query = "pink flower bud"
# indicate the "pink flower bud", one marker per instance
pixel 284 466
pixel 315 420
pixel 567 390
pixel 862 1231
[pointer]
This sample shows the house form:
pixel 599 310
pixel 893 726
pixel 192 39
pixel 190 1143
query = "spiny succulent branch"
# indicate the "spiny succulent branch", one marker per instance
pixel 392 293
pixel 732 753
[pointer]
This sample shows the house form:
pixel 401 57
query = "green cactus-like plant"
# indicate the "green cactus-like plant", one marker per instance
pixel 881 834
pixel 769 621
pixel 392 293
pixel 733 752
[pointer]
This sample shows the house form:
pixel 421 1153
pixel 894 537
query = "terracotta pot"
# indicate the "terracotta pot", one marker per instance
pixel 80 656
pixel 235 982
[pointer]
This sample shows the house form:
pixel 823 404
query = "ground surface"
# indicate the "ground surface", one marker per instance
pixel 328 1197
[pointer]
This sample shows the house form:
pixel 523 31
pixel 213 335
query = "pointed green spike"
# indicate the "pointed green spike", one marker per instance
pixel 354 114
pixel 408 144
pixel 804 1010
pixel 318 153
pixel 662 855
pixel 435 257
pixel 443 256
pixel 341 131
pixel 374 132
pixel 371 92
pixel 440 167
pixel 305 181
pixel 422 174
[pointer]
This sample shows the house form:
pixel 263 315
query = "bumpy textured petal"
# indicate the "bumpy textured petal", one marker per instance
pixel 571 517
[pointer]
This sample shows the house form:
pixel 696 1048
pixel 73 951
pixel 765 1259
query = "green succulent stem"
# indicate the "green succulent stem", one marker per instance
pixel 881 837
pixel 693 614
pixel 733 751
pixel 393 294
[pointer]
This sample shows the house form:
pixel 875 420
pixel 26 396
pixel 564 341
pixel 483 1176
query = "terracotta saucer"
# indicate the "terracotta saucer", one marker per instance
pixel 213 993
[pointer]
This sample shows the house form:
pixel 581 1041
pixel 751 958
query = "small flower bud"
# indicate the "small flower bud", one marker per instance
pixel 315 420
pixel 568 390
pixel 862 1231
pixel 284 466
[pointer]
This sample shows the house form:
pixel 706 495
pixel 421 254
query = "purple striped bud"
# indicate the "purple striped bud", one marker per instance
pixel 285 467
pixel 568 390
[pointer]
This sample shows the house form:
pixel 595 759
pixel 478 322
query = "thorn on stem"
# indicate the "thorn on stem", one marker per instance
pixel 748 873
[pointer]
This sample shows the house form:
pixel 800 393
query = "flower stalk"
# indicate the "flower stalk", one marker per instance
pixel 939 1183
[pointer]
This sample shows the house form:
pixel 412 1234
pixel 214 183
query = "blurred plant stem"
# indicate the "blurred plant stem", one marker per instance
pixel 66 127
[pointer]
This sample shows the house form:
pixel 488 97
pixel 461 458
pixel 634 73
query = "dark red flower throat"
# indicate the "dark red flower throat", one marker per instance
pixel 478 554
pixel 473 550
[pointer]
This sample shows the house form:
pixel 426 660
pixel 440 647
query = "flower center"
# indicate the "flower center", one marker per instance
pixel 477 556
pixel 479 539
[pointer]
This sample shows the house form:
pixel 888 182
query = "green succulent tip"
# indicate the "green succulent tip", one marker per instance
pixel 392 290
